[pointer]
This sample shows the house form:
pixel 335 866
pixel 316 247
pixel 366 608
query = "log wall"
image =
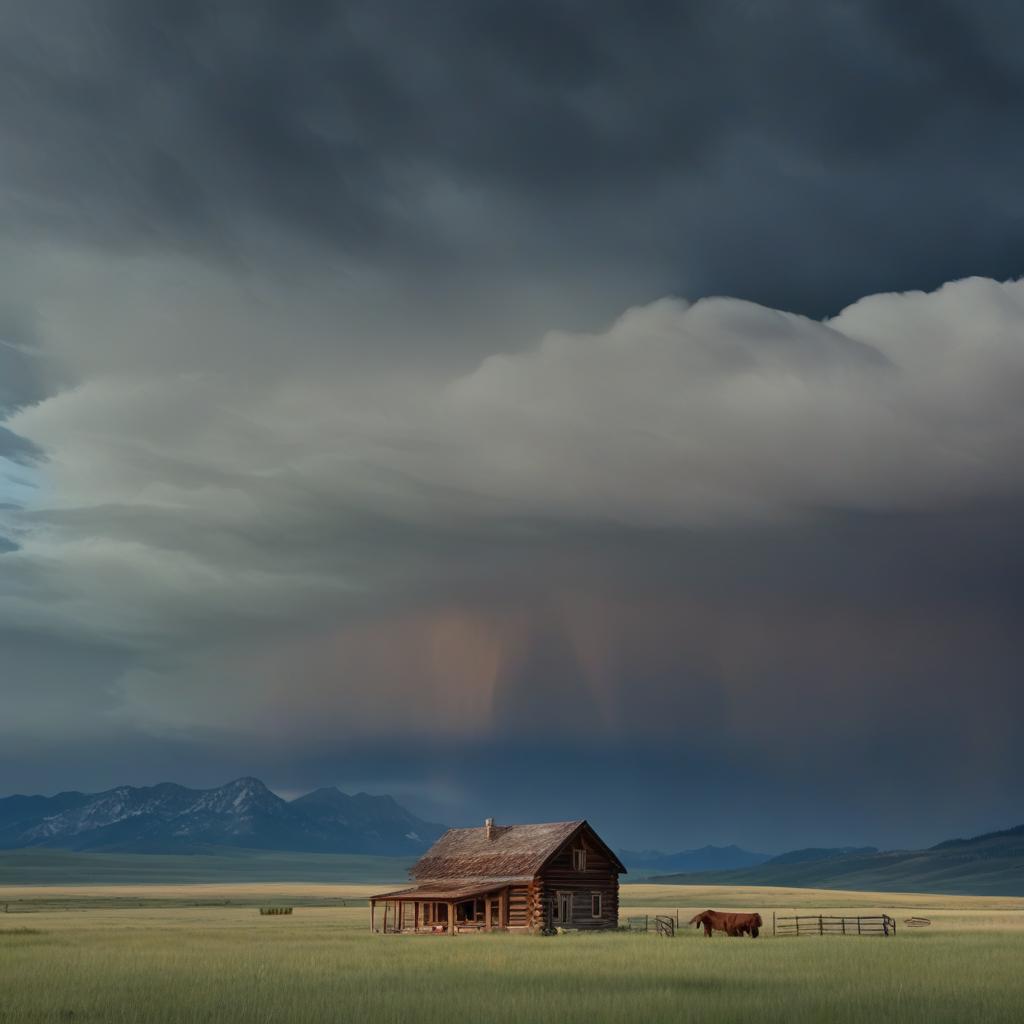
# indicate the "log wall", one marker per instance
pixel 519 906
pixel 599 876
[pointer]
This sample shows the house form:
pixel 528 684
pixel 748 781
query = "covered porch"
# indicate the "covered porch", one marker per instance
pixel 442 908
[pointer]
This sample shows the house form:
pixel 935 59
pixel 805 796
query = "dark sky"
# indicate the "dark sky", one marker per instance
pixel 536 410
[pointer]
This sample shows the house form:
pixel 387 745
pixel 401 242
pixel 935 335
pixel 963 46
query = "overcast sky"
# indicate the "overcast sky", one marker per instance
pixel 537 410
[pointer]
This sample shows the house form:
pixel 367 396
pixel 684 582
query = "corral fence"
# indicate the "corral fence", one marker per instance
pixel 665 925
pixel 821 924
pixel 660 924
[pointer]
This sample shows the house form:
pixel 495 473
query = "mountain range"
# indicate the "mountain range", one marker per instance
pixel 707 858
pixel 989 864
pixel 246 815
pixel 168 818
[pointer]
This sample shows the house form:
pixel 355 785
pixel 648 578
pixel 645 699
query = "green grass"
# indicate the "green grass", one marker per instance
pixel 324 973
pixel 229 964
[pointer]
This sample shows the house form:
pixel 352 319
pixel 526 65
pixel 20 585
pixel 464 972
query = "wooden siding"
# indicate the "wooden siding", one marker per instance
pixel 559 876
pixel 519 906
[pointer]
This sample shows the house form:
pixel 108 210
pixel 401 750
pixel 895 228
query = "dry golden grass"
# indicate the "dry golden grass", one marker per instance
pixel 215 892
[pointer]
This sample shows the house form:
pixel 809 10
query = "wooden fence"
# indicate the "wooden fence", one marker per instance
pixel 821 924
pixel 660 924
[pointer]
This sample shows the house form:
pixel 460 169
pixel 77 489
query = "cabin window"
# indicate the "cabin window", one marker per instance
pixel 579 859
pixel 595 904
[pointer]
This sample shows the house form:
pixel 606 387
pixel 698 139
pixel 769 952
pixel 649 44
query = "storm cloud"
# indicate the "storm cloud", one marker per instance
pixel 798 154
pixel 465 403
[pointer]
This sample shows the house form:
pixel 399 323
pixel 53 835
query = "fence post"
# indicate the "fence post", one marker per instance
pixel 773 922
pixel 821 927
pixel 797 919
pixel 858 925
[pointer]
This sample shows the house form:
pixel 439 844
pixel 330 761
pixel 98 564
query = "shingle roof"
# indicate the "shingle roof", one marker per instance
pixel 452 888
pixel 512 851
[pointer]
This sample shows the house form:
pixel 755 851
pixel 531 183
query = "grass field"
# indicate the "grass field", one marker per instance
pixel 73 953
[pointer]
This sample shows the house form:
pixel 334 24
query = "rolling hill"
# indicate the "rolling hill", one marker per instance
pixel 707 858
pixel 989 864
pixel 215 865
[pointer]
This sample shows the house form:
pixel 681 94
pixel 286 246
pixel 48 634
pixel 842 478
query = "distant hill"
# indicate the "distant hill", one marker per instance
pixel 216 864
pixel 169 818
pixel 990 864
pixel 816 853
pixel 707 858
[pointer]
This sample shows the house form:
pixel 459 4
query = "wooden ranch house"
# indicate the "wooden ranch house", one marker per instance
pixel 508 877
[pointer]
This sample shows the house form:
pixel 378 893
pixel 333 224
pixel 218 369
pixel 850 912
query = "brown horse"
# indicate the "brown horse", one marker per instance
pixel 731 924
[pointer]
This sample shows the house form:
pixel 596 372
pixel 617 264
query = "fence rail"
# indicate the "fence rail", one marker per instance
pixel 823 924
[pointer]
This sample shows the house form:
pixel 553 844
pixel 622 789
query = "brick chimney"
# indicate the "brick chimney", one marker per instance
pixel 489 828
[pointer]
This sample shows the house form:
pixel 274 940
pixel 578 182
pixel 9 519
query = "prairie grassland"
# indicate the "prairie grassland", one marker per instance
pixel 32 898
pixel 226 963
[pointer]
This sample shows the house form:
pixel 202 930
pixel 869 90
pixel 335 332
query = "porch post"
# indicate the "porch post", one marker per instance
pixel 386 902
pixel 373 912
pixel 503 908
pixel 487 911
pixel 451 918
pixel 416 916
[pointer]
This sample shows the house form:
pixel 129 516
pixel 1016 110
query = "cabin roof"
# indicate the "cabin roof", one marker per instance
pixel 452 888
pixel 511 851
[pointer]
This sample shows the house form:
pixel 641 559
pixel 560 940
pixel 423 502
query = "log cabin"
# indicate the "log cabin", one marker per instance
pixel 516 878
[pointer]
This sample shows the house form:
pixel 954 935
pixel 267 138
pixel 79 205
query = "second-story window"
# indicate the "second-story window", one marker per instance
pixel 579 859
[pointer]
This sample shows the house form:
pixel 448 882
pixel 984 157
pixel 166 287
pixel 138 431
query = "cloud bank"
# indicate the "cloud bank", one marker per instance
pixel 628 525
